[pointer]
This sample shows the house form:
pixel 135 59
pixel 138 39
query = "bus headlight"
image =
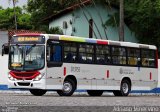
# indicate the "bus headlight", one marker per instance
pixel 11 78
pixel 39 77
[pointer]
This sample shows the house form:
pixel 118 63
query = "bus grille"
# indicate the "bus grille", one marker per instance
pixel 23 84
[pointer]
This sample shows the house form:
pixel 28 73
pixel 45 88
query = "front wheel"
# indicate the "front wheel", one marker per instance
pixel 68 89
pixel 94 92
pixel 124 89
pixel 37 92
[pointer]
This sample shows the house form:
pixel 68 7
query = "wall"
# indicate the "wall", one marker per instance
pixel 3 39
pixel 3 69
pixel 59 23
pixel 81 26
pixel 3 59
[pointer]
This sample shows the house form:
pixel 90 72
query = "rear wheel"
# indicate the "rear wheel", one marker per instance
pixel 94 92
pixel 124 89
pixel 68 89
pixel 37 92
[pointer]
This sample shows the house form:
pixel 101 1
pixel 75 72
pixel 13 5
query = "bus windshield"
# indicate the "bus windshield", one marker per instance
pixel 26 57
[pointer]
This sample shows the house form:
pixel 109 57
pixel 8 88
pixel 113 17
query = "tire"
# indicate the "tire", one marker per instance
pixel 124 89
pixel 69 87
pixel 37 92
pixel 94 92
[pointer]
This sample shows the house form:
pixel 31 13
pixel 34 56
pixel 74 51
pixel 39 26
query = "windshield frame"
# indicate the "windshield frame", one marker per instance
pixel 9 58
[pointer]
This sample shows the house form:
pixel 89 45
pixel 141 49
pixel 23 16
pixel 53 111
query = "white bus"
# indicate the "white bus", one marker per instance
pixel 44 62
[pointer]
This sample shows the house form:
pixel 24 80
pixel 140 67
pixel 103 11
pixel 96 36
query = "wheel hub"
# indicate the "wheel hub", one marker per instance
pixel 125 87
pixel 67 87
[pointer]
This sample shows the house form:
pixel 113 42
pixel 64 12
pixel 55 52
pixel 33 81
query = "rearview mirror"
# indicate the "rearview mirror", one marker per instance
pixel 2 52
pixel 5 49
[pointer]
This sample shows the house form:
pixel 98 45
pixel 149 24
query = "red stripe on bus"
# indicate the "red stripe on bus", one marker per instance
pixel 64 71
pixel 150 76
pixel 24 75
pixel 29 34
pixel 107 73
pixel 102 42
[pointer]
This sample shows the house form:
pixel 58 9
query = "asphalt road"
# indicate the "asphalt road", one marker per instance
pixel 79 102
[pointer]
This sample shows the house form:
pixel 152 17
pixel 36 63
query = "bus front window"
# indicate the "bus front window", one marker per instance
pixel 28 57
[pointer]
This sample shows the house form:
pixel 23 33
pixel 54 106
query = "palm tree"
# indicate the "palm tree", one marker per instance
pixel 15 17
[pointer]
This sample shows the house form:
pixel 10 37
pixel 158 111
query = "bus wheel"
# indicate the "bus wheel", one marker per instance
pixel 68 89
pixel 124 89
pixel 94 92
pixel 37 92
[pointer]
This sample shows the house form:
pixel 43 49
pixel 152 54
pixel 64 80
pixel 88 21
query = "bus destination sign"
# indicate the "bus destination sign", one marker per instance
pixel 28 40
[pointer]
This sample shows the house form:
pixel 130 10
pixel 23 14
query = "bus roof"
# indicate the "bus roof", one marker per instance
pixel 91 40
pixel 100 41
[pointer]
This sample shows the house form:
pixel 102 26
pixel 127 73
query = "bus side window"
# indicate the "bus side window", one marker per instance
pixel 70 52
pixel 54 53
pixel 133 57
pixel 148 58
pixel 69 57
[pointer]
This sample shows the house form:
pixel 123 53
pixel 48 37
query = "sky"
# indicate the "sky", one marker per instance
pixel 5 3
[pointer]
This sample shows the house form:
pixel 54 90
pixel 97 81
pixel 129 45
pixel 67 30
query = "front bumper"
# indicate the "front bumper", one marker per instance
pixel 26 84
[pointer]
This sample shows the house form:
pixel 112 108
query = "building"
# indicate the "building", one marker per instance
pixel 84 19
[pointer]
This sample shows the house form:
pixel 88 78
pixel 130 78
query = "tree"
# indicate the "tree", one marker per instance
pixel 55 30
pixel 42 9
pixel 7 19
pixel 15 17
pixel 142 17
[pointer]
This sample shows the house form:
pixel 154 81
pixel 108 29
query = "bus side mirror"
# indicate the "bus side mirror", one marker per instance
pixel 2 52
pixel 5 49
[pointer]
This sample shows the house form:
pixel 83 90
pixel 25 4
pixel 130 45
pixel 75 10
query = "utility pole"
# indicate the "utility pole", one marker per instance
pixel 121 22
pixel 15 18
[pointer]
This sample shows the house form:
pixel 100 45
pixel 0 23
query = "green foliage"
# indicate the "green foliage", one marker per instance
pixel 7 19
pixel 113 21
pixel 55 30
pixel 24 22
pixel 42 9
pixel 142 17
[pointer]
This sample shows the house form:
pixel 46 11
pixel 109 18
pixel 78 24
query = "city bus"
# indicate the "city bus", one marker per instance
pixel 61 63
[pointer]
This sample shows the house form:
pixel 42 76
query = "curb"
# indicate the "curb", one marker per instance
pixel 4 89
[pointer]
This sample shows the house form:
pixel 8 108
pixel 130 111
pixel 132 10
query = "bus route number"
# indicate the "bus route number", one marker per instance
pixel 75 69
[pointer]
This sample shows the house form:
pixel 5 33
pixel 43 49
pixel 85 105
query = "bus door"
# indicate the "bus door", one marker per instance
pixel 54 66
